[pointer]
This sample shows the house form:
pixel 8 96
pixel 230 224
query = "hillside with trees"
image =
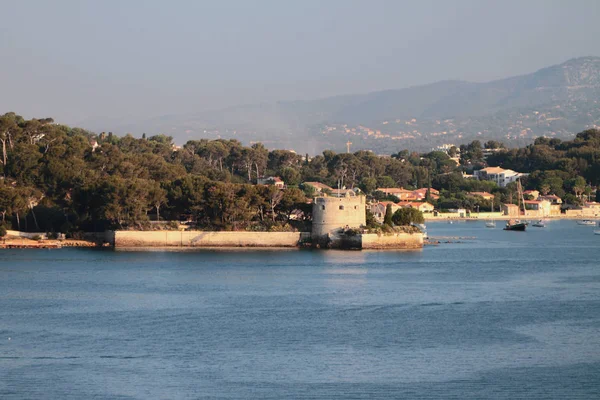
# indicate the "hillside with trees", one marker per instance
pixel 61 179
pixel 555 101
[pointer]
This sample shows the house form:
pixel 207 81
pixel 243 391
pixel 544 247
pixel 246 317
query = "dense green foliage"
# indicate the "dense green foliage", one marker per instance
pixel 57 178
pixel 407 216
pixel 387 219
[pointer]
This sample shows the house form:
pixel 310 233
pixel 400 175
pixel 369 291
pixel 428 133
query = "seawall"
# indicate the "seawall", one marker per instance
pixel 206 239
pixel 129 239
pixel 392 241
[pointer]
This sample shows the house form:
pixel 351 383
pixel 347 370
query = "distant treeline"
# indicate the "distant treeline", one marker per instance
pixel 57 178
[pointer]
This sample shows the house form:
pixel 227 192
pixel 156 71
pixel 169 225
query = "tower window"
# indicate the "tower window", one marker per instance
pixel 322 207
pixel 341 207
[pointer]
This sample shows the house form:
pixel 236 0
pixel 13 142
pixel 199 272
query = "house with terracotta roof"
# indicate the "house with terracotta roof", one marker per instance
pixel 533 193
pixel 271 180
pixel 421 193
pixel 552 198
pixel 378 209
pixel 318 186
pixel 500 176
pixel 421 206
pixel 485 195
pixel 398 192
pixel 593 205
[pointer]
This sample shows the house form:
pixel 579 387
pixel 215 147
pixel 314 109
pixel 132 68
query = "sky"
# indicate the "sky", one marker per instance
pixel 76 59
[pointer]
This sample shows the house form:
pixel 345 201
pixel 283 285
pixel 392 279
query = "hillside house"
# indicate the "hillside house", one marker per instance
pixel 485 195
pixel 318 186
pixel 423 207
pixel 271 180
pixel 378 209
pixel 421 194
pixel 398 192
pixel 533 193
pixel 552 198
pixel 500 176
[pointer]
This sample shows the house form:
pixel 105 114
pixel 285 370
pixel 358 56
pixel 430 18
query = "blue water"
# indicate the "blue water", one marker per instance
pixel 500 315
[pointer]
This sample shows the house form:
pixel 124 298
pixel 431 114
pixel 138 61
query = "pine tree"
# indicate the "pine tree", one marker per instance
pixel 387 220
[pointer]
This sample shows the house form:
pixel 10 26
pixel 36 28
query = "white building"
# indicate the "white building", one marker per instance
pixel 501 176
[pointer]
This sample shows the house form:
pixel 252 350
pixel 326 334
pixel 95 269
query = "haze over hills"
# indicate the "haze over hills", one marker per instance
pixel 557 101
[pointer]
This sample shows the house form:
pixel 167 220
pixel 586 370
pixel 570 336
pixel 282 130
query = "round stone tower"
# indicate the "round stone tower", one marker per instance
pixel 332 213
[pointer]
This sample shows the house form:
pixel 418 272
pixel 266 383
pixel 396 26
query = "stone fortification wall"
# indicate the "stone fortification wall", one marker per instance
pixel 206 239
pixel 332 213
pixel 392 241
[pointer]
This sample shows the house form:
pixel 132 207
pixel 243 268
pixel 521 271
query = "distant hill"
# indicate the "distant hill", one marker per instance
pixel 557 101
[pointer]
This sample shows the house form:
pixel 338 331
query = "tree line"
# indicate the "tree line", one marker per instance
pixel 61 179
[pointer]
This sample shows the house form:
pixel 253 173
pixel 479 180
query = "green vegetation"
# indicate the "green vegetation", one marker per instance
pixel 54 178
pixel 387 219
pixel 408 216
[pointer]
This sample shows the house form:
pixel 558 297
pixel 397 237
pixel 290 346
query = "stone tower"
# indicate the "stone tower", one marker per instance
pixel 330 214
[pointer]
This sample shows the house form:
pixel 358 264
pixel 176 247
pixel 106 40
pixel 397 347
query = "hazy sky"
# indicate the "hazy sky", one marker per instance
pixel 76 59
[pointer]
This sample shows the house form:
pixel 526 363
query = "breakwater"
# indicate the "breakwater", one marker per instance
pixel 207 239
pixel 133 239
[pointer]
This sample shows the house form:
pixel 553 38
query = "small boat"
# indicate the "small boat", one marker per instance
pixel 596 232
pixel 587 222
pixel 539 224
pixel 491 223
pixel 513 225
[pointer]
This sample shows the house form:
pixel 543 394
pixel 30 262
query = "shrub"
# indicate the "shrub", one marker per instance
pixel 2 231
pixel 407 216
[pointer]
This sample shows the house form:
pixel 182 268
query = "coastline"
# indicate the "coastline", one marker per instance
pixel 24 243
pixel 446 218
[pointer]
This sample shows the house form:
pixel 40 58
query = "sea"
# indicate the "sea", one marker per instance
pixel 484 314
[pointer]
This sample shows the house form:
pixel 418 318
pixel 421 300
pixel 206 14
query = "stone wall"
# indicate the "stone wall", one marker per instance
pixel 392 241
pixel 585 212
pixel 206 239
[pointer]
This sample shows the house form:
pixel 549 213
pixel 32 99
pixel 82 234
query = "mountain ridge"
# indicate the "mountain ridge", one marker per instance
pixel 508 109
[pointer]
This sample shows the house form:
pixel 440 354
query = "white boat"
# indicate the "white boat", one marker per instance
pixel 596 232
pixel 539 224
pixel 491 223
pixel 587 222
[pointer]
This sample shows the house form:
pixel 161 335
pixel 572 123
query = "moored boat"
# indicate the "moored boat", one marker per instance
pixel 513 225
pixel 587 222
pixel 491 223
pixel 539 224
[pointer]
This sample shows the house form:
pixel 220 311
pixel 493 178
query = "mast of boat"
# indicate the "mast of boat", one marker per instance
pixel 521 198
